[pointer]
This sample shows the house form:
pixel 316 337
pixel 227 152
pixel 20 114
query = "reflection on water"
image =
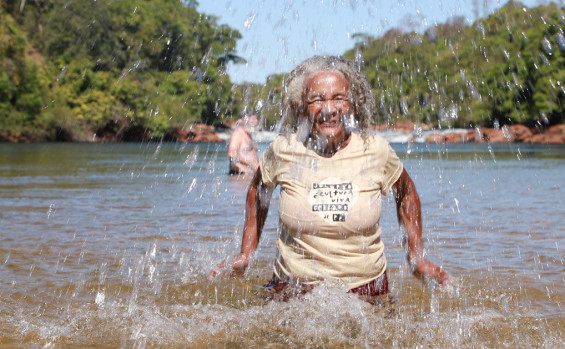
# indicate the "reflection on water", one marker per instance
pixel 110 245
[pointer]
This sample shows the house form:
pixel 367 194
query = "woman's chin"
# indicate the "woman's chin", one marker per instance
pixel 331 131
pixel 330 137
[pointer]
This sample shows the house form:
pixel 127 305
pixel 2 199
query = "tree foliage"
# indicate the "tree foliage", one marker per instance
pixel 506 68
pixel 87 67
pixel 76 69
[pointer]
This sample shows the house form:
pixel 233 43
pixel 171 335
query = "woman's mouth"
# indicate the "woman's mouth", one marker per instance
pixel 328 121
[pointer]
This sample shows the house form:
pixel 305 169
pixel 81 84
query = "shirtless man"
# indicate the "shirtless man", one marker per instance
pixel 242 151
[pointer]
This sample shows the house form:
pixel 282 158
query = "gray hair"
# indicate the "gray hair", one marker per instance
pixel 361 90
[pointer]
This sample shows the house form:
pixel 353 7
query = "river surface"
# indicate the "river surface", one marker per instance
pixel 110 245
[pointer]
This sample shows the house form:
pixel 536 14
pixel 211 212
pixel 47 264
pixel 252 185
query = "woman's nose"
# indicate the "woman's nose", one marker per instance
pixel 329 106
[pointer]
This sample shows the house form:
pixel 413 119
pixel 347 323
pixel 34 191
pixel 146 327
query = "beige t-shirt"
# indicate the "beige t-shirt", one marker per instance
pixel 330 208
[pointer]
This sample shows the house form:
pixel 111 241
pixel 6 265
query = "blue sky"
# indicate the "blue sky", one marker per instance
pixel 279 34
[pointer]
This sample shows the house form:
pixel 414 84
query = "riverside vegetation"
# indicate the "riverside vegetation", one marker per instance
pixel 152 70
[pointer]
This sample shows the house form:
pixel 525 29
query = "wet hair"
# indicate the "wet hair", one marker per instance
pixel 361 91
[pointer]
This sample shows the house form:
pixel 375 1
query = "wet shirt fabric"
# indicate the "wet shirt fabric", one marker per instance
pixel 329 208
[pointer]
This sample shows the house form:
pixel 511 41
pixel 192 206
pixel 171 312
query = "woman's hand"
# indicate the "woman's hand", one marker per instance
pixel 234 267
pixel 428 270
pixel 257 208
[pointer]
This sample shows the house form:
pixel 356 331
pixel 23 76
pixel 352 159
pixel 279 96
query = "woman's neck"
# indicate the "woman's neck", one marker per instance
pixel 327 148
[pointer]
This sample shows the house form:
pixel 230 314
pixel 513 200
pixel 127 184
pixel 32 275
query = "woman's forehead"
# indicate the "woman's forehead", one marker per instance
pixel 326 79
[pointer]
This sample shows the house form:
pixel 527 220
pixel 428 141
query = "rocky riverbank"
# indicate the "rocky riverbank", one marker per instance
pixel 505 134
pixel 197 133
pixel 202 133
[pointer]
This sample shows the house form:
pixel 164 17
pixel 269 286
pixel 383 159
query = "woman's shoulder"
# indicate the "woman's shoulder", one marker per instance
pixel 278 142
pixel 284 142
pixel 371 141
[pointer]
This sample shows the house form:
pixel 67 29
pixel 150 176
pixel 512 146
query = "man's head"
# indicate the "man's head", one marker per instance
pixel 247 120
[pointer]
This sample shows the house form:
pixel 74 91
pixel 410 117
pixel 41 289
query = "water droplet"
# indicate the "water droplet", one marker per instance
pixel 506 133
pixel 546 44
pixel 249 20
pixel 62 73
pixel 359 57
pixel 491 151
pixel 561 41
pixel 50 211
pixel 506 54
pixel 100 297
pixel 192 185
pixel 544 59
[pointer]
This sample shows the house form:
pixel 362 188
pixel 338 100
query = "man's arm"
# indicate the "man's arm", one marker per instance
pixel 410 218
pixel 257 208
pixel 233 146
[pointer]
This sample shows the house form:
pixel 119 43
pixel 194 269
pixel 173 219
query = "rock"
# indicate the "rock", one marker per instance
pixel 547 138
pixel 199 133
pixel 514 133
pixel 554 134
pixel 14 137
pixel 408 126
pixel 454 137
pixel 556 139
pixel 557 129
pixel 474 135
pixel 486 133
pixel 494 136
pixel 405 126
pixel 435 138
pixel 520 133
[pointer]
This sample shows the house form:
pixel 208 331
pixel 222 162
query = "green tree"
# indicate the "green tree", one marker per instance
pixel 506 67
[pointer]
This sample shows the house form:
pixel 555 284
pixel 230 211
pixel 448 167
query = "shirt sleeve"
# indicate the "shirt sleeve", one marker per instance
pixel 267 164
pixel 392 170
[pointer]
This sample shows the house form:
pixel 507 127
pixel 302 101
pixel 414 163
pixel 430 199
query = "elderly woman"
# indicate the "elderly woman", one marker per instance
pixel 332 174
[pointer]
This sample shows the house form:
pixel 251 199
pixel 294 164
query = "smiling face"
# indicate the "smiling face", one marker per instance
pixel 327 103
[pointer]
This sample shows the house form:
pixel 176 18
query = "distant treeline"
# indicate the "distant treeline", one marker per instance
pixel 504 69
pixel 507 68
pixel 73 70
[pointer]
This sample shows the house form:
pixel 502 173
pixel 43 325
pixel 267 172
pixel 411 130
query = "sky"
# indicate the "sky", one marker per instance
pixel 279 34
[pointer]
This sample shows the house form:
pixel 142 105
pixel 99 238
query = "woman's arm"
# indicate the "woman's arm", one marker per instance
pixel 410 218
pixel 257 208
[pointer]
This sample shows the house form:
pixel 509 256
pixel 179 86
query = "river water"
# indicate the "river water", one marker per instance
pixel 109 245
